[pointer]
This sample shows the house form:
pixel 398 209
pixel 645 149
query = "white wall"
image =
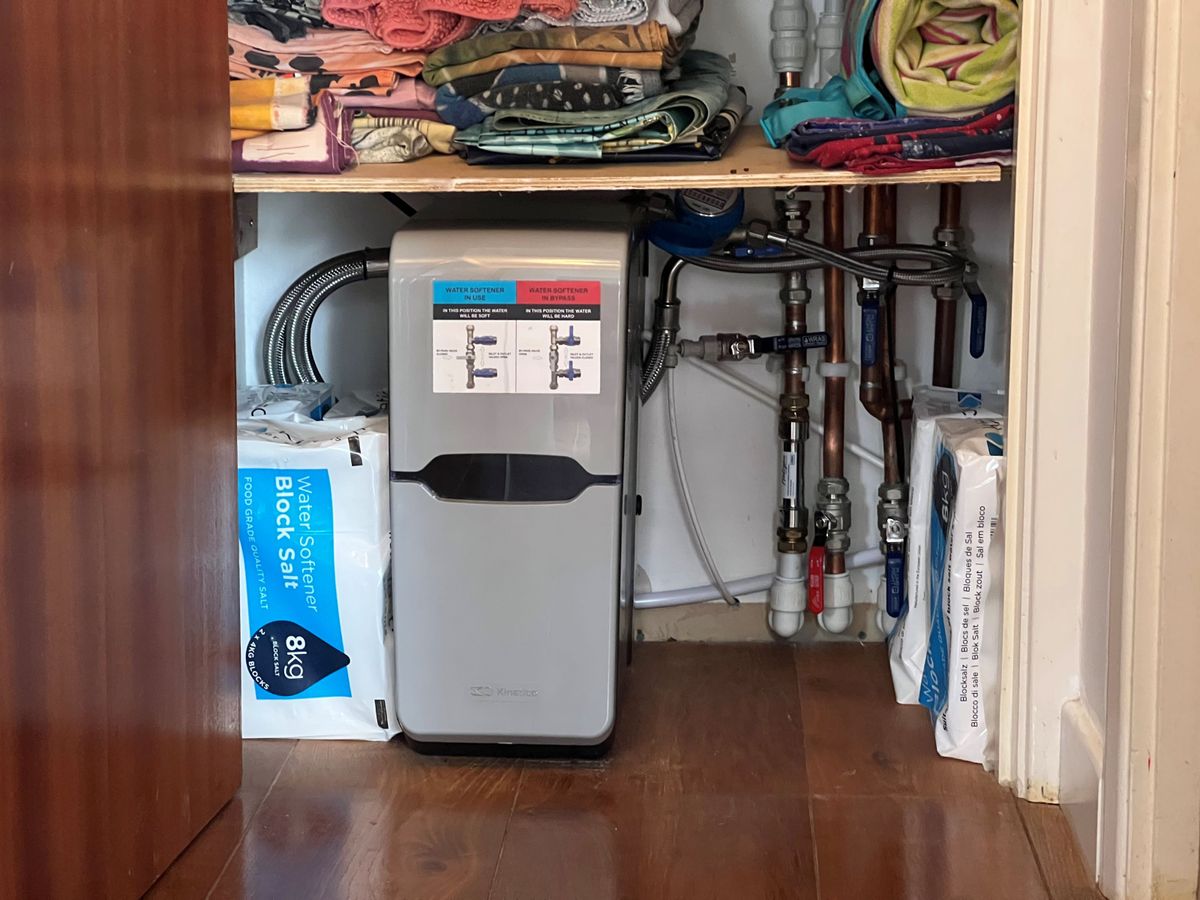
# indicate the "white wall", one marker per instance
pixel 729 440
pixel 719 424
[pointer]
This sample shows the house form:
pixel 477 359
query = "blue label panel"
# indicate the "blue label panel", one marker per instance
pixel 935 691
pixel 285 527
pixel 474 293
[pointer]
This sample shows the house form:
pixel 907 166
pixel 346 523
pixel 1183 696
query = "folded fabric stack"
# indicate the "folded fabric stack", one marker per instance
pixel 924 84
pixel 269 104
pixel 504 81
pixel 539 87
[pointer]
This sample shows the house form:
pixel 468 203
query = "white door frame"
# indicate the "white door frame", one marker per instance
pixel 1100 680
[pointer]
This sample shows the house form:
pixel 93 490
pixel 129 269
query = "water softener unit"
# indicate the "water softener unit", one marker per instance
pixel 515 347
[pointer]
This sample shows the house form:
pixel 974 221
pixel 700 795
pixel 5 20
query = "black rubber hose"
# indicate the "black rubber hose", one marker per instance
pixel 370 263
pixel 287 351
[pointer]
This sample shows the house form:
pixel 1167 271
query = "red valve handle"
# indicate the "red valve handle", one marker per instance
pixel 816 579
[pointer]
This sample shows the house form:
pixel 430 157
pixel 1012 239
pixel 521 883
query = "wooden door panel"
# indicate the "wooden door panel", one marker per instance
pixel 118 641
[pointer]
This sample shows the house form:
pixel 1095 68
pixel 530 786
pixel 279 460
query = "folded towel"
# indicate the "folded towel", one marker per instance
pixel 427 24
pixel 947 56
pixel 468 101
pixel 645 46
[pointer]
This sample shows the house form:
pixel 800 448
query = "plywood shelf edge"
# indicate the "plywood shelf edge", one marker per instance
pixel 748 163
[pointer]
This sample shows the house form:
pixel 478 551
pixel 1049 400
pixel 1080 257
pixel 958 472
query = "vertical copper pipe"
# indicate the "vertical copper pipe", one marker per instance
pixel 833 462
pixel 887 335
pixel 870 392
pixel 950 204
pixel 945 326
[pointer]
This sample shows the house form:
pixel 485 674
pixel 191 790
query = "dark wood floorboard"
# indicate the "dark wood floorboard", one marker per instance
pixel 860 742
pixel 910 848
pixel 197 870
pixel 1058 855
pixel 737 771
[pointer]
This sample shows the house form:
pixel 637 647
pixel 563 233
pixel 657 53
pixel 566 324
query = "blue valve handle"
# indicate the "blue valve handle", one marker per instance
pixel 894 569
pixel 486 373
pixel 870 331
pixel 978 320
pixel 571 373
pixel 486 340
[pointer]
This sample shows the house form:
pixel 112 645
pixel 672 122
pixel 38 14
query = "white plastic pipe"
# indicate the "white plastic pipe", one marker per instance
pixel 789 40
pixel 830 28
pixel 757 392
pixel 839 602
pixel 788 595
pixel 755 584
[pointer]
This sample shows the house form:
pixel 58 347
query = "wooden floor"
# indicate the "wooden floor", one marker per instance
pixel 738 771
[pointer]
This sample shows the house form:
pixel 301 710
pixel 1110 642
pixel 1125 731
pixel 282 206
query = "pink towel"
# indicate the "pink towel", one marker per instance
pixel 427 24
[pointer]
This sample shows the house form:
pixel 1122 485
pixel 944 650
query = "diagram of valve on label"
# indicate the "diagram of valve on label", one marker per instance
pixel 516 337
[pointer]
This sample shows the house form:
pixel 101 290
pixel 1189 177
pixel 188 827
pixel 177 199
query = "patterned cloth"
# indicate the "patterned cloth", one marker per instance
pixel 323 148
pixel 468 101
pixel 284 19
pixel 680 16
pixel 646 46
pixel 678 115
pixel 947 56
pixel 428 24
pixel 406 93
pixel 910 144
pixel 709 145
pixel 390 139
pixel 253 52
pixel 274 104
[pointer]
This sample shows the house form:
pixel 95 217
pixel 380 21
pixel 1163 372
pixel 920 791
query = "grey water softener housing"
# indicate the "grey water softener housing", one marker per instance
pixel 515 351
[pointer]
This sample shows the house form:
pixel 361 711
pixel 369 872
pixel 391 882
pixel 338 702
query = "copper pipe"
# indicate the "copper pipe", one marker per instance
pixel 892 449
pixel 870 389
pixel 833 463
pixel 945 326
pixel 950 204
pixel 791 79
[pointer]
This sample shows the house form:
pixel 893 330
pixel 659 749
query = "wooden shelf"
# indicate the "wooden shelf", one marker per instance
pixel 748 163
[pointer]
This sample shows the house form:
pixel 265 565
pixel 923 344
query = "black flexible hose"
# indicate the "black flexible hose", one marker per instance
pixel 287 343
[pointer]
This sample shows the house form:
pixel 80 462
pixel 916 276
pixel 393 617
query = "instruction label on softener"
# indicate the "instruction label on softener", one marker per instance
pixel 516 337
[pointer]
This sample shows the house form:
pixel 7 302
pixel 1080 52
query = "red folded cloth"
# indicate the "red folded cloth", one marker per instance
pixel 857 152
pixel 427 24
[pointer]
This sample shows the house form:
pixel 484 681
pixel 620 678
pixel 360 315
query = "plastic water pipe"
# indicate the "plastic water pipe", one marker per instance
pixel 768 398
pixel 789 41
pixel 830 27
pixel 755 584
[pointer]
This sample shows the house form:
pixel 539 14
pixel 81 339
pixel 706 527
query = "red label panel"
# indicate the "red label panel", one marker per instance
pixel 559 293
